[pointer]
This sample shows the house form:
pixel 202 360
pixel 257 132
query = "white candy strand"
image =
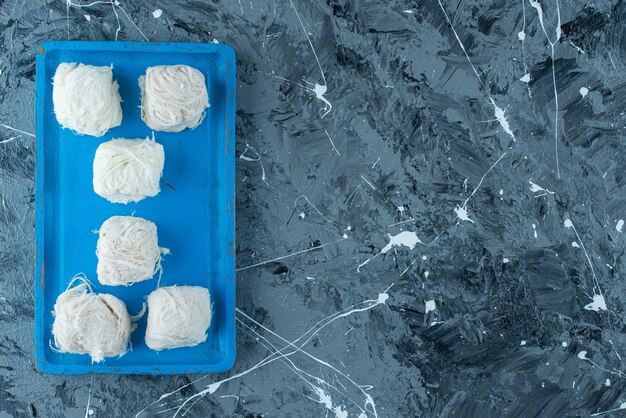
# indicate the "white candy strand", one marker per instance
pixel 128 170
pixel 86 98
pixel 128 251
pixel 90 323
pixel 173 97
pixel 178 316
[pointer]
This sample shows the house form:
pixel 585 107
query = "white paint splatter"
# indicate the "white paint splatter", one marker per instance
pixel 522 36
pixel 244 157
pixel 366 305
pixel 534 187
pixel 430 306
pixel 296 204
pixel 402 222
pixel 461 213
pixel 579 49
pixel 331 142
pixel 369 304
pixel 290 255
pixel 368 183
pixel 621 406
pixel 612 62
pixel 117 3
pixel 11 139
pixel 16 130
pixel 88 410
pixel 456 35
pixel 157 13
pixel 535 5
pixel 327 401
pixel 407 269
pixel 620 225
pixel 598 304
pixel 501 118
pixel 352 194
pixel 499 113
pixel 403 239
pixel 318 89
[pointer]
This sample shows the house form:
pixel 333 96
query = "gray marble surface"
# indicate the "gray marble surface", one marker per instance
pixel 429 208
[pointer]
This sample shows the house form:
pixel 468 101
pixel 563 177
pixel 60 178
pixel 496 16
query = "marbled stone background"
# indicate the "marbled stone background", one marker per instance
pixel 437 162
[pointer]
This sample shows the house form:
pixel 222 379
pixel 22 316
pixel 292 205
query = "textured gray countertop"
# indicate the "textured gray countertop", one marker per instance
pixel 430 202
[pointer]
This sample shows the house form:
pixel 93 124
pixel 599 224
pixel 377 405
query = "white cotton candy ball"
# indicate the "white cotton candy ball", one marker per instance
pixel 178 316
pixel 128 170
pixel 86 99
pixel 127 250
pixel 90 323
pixel 173 97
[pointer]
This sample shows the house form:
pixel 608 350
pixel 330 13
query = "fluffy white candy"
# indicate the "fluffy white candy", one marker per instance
pixel 90 323
pixel 128 251
pixel 86 98
pixel 178 316
pixel 128 170
pixel 173 97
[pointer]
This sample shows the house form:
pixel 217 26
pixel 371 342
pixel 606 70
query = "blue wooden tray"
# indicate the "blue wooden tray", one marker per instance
pixel 194 212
